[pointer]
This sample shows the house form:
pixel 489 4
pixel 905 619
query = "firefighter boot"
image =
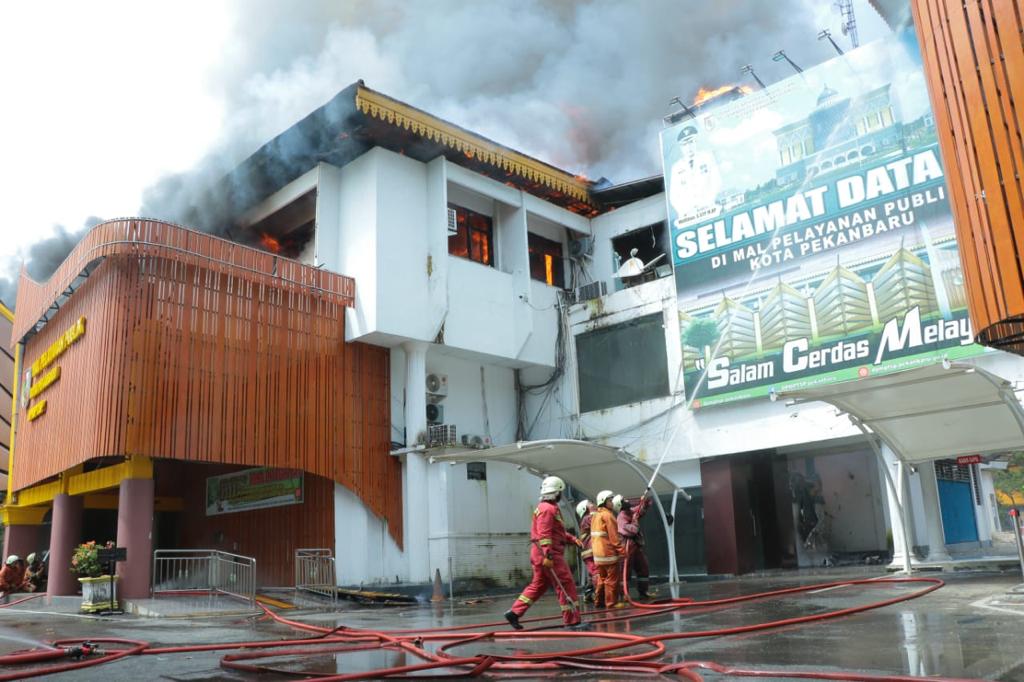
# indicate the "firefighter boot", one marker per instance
pixel 513 620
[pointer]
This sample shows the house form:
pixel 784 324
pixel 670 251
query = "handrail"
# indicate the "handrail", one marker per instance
pixel 209 570
pixel 316 572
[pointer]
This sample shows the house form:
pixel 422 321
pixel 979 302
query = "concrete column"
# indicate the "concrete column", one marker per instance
pixel 932 513
pixel 65 535
pixel 417 493
pixel 891 466
pixel 135 533
pixel 20 540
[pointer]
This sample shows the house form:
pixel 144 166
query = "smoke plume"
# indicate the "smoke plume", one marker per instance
pixel 582 84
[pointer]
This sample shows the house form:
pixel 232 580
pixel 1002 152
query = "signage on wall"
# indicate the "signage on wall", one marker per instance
pixel 32 384
pixel 253 489
pixel 812 238
pixel 968 459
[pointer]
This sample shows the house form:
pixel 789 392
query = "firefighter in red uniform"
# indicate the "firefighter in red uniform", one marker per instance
pixel 547 547
pixel 628 522
pixel 585 510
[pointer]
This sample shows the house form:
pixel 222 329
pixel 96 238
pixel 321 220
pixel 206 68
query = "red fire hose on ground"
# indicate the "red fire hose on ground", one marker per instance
pixel 616 652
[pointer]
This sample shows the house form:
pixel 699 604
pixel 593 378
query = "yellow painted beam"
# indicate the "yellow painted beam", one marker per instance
pixel 6 312
pixel 18 349
pixel 22 516
pixel 39 494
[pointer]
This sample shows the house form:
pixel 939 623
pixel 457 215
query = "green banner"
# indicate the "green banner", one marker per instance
pixel 812 238
pixel 253 489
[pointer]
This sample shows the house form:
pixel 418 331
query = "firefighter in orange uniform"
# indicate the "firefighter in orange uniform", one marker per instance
pixel 547 555
pixel 585 510
pixel 608 552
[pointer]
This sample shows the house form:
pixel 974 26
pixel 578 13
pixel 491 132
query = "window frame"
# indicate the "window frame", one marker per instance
pixel 558 260
pixel 465 231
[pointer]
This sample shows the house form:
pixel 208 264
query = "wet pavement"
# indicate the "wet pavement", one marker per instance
pixel 971 628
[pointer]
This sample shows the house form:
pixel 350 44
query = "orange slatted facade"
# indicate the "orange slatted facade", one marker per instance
pixel 974 61
pixel 199 349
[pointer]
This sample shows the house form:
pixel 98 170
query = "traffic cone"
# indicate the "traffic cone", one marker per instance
pixel 438 592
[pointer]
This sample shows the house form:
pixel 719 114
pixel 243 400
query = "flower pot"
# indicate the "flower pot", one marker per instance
pixel 96 593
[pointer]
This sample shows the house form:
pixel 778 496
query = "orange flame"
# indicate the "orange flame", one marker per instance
pixel 270 243
pixel 705 94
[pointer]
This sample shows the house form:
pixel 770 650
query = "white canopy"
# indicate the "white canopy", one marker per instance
pixel 934 412
pixel 587 467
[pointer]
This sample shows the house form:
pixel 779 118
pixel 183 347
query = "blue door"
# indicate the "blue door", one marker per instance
pixel 957 506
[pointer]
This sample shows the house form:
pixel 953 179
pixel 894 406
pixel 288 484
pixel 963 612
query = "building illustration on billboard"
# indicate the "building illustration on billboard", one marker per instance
pixel 812 237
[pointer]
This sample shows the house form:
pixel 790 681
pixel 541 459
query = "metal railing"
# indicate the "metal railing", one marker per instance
pixel 205 570
pixel 315 572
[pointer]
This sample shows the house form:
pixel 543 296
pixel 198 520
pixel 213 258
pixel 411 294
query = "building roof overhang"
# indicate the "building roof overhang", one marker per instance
pixel 938 411
pixel 359 118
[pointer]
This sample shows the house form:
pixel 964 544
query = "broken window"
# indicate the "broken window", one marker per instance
pixel 474 236
pixel 651 245
pixel 546 260
pixel 622 364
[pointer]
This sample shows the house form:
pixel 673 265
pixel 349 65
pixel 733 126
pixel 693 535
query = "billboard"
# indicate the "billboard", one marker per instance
pixel 253 489
pixel 812 239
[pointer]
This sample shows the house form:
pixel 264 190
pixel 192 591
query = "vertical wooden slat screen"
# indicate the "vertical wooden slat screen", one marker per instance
pixel 973 54
pixel 201 349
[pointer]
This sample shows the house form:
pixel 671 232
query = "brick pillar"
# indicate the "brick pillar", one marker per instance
pixel 135 533
pixel 65 535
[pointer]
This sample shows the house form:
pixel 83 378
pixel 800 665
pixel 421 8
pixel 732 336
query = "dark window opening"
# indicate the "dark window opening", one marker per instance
pixel 546 260
pixel 476 471
pixel 623 364
pixel 288 231
pixel 474 236
pixel 651 244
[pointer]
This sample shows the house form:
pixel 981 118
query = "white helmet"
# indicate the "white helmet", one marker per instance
pixel 552 485
pixel 13 559
pixel 617 504
pixel 603 496
pixel 582 508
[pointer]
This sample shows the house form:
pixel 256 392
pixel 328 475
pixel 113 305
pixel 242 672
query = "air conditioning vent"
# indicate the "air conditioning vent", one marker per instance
pixel 437 387
pixel 590 291
pixel 435 413
pixel 453 222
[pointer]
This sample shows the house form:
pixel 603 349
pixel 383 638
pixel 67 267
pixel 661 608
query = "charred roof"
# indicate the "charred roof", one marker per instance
pixel 358 119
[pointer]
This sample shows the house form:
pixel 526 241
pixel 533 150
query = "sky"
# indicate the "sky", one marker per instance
pixel 110 103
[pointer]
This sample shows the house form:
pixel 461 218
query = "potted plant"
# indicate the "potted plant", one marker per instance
pixel 96 587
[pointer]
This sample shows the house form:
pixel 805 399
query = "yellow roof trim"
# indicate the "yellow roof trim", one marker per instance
pixel 6 312
pixel 419 122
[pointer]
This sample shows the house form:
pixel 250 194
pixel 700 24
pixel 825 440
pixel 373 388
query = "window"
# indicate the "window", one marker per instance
pixel 546 260
pixel 651 244
pixel 622 364
pixel 474 238
pixel 476 471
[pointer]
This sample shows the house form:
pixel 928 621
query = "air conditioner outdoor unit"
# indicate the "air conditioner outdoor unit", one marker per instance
pixel 578 248
pixel 592 290
pixel 453 222
pixel 437 385
pixel 435 413
pixel 441 435
pixel 474 441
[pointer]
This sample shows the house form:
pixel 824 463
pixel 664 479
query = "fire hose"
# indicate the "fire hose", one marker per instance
pixel 615 652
